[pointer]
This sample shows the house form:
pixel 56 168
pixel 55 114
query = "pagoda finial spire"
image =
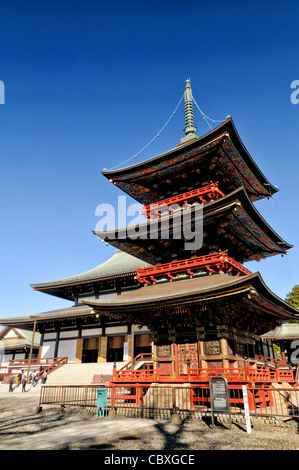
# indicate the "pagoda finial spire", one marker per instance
pixel 190 128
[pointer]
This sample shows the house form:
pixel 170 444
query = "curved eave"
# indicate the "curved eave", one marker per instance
pixel 119 266
pixel 191 290
pixel 239 196
pixel 60 289
pixel 26 322
pixel 226 127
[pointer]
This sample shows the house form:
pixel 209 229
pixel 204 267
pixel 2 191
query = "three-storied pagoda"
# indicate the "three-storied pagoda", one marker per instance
pixel 205 309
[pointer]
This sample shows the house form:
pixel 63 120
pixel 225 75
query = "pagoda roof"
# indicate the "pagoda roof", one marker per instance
pixel 200 287
pixel 120 265
pixel 250 291
pixel 219 155
pixel 230 222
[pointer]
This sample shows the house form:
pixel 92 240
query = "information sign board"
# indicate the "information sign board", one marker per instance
pixel 219 397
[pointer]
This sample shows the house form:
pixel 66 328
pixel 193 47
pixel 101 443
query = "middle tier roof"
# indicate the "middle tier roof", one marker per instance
pixel 230 223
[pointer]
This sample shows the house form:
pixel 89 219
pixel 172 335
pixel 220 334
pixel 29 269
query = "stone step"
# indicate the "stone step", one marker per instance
pixel 71 374
pixel 80 374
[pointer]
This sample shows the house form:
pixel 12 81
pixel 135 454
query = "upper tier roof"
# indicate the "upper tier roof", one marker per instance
pixel 219 156
pixel 119 265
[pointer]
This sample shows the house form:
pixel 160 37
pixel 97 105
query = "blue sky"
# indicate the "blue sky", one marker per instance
pixel 88 84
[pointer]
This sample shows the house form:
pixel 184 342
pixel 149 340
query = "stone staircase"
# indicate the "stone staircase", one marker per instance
pixel 80 374
pixel 72 374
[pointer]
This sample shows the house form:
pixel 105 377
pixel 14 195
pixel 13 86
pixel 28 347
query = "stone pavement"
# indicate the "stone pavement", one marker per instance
pixel 48 439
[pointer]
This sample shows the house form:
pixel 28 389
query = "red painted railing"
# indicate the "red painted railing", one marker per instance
pixel 241 375
pixel 216 262
pixel 199 195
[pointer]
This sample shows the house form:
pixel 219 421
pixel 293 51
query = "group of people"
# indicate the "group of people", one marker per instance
pixel 21 379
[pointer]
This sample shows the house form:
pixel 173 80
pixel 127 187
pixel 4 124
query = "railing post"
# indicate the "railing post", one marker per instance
pixel 158 371
pixel 141 401
pixel 174 410
pixel 188 369
pixel 113 390
pixel 246 370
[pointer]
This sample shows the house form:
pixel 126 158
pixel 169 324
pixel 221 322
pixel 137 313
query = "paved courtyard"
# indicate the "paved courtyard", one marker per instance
pixel 22 428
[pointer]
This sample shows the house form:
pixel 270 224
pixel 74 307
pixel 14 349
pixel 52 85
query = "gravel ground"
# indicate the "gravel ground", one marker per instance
pixel 19 418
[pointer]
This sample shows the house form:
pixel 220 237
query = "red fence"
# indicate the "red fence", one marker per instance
pixel 148 401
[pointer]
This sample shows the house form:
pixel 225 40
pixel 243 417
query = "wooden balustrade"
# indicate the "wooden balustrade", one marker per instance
pixel 248 374
pixel 212 263
pixel 202 195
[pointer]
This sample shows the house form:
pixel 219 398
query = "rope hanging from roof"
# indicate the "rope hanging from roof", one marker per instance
pixel 205 117
pixel 155 137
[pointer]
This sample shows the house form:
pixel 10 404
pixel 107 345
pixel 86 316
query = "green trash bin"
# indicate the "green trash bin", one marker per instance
pixel 102 409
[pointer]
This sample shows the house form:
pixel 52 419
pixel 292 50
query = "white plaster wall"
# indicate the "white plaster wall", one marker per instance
pixel 51 335
pixel 69 334
pixel 67 348
pixel 114 330
pixel 92 332
pixel 48 349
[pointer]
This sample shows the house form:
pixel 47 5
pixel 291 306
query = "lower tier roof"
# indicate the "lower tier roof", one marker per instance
pixel 237 300
pixel 245 300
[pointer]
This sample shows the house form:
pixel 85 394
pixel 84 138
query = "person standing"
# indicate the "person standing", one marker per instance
pixel 10 384
pixel 24 383
pixel 33 379
pixel 21 376
pixel 44 378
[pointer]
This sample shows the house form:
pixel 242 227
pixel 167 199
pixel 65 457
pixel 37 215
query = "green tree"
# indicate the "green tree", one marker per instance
pixel 292 298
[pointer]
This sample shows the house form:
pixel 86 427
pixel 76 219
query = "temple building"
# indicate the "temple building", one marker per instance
pixel 16 346
pixel 77 332
pixel 187 309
